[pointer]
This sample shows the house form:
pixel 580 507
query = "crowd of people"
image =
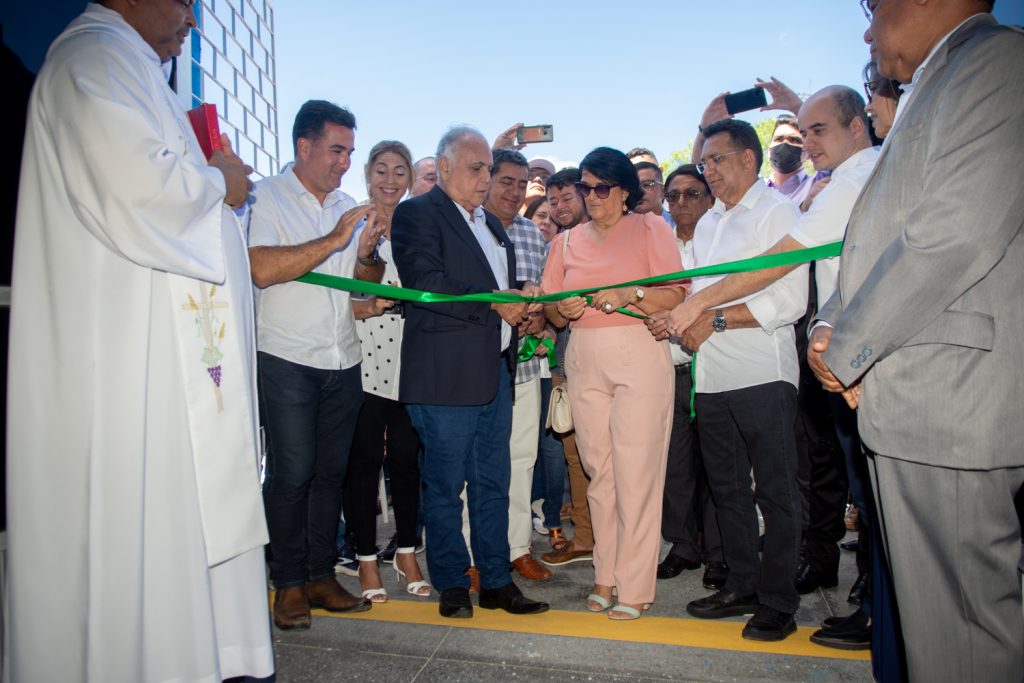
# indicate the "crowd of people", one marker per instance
pixel 731 416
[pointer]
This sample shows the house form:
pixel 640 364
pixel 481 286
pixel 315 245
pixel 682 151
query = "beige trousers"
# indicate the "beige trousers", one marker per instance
pixel 621 390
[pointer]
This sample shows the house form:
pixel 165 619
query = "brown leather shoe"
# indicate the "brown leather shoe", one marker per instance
pixel 328 594
pixel 567 554
pixel 291 609
pixel 530 568
pixel 474 579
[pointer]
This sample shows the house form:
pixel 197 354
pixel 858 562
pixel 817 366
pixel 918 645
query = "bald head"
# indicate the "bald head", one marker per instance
pixel 834 126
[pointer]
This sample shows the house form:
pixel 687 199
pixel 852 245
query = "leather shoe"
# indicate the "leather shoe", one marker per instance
pixel 474 579
pixel 809 578
pixel 673 565
pixel 851 545
pixel 510 599
pixel 455 603
pixel 291 609
pixel 328 594
pixel 715 575
pixel 723 604
pixel 769 624
pixel 566 555
pixel 860 589
pixel 851 633
pixel 530 568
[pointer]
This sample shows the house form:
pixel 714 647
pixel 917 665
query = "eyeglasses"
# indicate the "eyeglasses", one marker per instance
pixel 649 185
pixel 686 195
pixel 715 160
pixel 868 8
pixel 188 3
pixel 602 190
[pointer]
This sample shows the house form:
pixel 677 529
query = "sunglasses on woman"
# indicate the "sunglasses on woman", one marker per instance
pixel 602 190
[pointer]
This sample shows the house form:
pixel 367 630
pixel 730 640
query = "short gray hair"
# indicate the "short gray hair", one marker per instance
pixel 455 135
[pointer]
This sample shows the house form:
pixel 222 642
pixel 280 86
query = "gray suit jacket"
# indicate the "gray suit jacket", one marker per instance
pixel 930 307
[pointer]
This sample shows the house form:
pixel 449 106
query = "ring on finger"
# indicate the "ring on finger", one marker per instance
pixel 607 307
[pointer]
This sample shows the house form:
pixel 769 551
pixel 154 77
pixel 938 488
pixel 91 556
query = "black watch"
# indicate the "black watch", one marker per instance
pixel 718 324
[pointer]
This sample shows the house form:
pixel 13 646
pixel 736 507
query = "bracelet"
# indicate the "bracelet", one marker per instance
pixel 372 261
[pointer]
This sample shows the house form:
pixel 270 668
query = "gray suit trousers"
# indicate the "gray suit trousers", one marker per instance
pixel 953 539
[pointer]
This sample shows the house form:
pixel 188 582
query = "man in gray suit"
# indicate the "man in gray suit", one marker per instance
pixel 928 337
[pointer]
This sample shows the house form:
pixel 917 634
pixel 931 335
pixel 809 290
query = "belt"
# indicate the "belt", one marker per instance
pixel 684 367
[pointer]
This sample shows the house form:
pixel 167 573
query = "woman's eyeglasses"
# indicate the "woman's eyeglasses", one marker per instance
pixel 602 190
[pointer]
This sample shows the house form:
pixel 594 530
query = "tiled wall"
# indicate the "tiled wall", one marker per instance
pixel 232 66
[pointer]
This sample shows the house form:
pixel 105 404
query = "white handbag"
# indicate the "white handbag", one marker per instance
pixel 559 415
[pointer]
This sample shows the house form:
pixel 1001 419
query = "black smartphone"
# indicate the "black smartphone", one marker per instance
pixel 745 100
pixel 528 134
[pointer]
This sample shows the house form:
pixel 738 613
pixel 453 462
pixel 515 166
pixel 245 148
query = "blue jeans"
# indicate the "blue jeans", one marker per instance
pixel 549 474
pixel 466 446
pixel 309 416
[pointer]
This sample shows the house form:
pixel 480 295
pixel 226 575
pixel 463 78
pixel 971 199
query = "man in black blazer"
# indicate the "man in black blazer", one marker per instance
pixel 458 364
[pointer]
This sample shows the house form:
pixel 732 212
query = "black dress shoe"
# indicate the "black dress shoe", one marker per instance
pixel 832 621
pixel 850 545
pixel 723 604
pixel 510 599
pixel 455 603
pixel 851 633
pixel 715 575
pixel 860 589
pixel 769 624
pixel 673 565
pixel 809 578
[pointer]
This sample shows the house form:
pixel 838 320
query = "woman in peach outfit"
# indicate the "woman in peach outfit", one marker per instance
pixel 622 385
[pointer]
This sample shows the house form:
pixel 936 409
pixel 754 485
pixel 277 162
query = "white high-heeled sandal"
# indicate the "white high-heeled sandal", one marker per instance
pixel 374 595
pixel 420 589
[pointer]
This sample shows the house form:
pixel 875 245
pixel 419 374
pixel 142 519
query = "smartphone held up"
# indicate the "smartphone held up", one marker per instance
pixel 745 100
pixel 530 134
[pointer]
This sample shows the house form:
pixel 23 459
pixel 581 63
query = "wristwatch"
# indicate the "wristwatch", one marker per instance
pixel 639 294
pixel 718 324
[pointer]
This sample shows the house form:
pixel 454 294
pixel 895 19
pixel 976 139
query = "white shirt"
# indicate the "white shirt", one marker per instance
pixel 740 358
pixel 496 258
pixel 302 323
pixel 381 339
pixel 825 221
pixel 676 351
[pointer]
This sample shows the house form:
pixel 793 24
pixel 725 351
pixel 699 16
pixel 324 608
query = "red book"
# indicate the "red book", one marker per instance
pixel 204 123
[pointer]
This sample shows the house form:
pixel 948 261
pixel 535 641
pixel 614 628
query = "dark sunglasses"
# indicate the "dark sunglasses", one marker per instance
pixel 602 190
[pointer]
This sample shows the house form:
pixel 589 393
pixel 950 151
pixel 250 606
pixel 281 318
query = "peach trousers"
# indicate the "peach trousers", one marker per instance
pixel 621 392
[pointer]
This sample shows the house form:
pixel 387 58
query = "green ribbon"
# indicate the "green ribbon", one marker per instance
pixel 530 345
pixel 786 258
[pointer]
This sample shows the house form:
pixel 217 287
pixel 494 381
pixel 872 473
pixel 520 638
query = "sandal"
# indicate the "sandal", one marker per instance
pixel 557 539
pixel 630 613
pixel 605 603
pixel 375 594
pixel 420 589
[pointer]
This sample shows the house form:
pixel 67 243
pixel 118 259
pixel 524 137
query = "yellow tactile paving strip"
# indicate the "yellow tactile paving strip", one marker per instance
pixel 696 633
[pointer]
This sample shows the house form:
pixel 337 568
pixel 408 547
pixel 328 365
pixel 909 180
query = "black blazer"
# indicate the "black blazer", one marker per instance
pixel 449 350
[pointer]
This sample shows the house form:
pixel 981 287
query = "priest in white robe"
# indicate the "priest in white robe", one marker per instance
pixel 136 526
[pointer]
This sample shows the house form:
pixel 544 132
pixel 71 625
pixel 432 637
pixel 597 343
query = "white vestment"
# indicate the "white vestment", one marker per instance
pixel 135 519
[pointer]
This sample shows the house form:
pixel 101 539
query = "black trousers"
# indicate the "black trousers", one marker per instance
pixel 821 474
pixel 687 507
pixel 383 427
pixel 740 430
